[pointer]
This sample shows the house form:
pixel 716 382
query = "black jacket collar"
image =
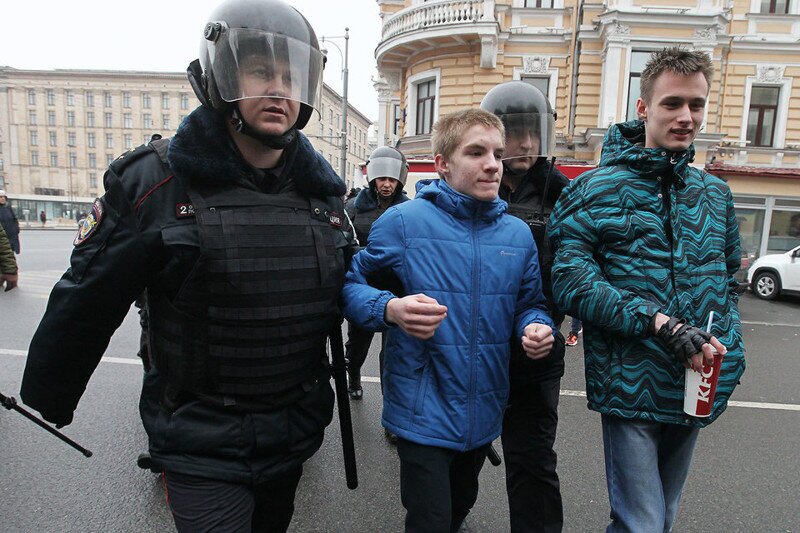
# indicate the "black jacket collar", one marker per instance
pixel 202 152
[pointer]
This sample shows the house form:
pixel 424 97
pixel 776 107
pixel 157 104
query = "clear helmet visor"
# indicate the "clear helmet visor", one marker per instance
pixel 386 167
pixel 528 136
pixel 250 63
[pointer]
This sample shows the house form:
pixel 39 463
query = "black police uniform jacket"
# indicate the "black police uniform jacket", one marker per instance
pixel 365 209
pixel 242 288
pixel 525 202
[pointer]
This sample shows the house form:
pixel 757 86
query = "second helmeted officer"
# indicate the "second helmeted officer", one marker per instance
pixel 531 185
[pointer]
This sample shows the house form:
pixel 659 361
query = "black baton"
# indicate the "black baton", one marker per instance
pixel 493 457
pixel 10 403
pixel 338 368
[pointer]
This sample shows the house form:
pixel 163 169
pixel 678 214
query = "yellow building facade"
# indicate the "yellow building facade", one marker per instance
pixel 439 56
pixel 60 129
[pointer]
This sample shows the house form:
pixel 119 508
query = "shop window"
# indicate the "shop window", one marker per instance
pixel 784 231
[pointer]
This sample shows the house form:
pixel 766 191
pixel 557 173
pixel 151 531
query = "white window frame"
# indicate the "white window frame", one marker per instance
pixel 411 92
pixel 781 118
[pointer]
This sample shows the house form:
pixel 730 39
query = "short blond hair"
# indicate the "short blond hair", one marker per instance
pixel 449 129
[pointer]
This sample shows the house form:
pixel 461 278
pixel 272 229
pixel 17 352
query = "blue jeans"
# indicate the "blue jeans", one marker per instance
pixel 646 466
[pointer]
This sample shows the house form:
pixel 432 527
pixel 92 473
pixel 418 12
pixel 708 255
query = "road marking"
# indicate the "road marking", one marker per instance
pixel 752 323
pixel 117 360
pixel 732 403
pixel 370 379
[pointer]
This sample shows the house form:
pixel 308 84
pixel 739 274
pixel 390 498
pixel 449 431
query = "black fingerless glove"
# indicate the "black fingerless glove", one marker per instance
pixel 685 341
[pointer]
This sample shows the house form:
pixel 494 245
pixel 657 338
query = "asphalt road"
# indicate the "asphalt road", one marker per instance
pixel 745 475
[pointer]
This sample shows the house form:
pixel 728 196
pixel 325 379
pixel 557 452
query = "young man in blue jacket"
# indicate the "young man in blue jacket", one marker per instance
pixel 647 247
pixel 471 280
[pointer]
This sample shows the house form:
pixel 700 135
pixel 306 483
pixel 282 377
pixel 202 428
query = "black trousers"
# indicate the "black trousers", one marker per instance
pixel 357 348
pixel 438 487
pixel 202 505
pixel 529 432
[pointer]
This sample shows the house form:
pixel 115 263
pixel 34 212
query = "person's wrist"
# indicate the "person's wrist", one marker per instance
pixel 659 319
pixel 388 313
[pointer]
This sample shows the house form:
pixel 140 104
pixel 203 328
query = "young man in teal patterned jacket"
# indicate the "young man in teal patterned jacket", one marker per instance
pixel 647 247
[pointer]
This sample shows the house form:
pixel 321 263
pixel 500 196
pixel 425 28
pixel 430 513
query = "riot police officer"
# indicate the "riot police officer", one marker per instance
pixel 387 170
pixel 235 227
pixel 531 185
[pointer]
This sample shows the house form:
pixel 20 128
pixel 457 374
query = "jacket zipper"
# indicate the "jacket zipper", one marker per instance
pixel 473 332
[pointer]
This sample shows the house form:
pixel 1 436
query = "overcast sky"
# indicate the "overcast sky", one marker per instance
pixel 164 35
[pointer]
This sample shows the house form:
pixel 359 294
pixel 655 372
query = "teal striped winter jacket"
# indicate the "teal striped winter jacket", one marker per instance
pixel 624 253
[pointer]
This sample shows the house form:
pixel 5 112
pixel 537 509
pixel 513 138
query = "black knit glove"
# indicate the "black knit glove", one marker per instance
pixel 685 341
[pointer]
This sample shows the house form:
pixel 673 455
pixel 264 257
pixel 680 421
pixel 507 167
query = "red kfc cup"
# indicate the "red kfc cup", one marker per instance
pixel 698 393
pixel 700 387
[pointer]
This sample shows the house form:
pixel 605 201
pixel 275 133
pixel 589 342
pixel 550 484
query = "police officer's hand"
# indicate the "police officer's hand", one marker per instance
pixel 10 281
pixel 417 314
pixel 538 340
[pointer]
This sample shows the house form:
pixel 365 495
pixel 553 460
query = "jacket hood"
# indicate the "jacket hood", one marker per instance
pixel 367 199
pixel 624 145
pixel 438 192
pixel 202 151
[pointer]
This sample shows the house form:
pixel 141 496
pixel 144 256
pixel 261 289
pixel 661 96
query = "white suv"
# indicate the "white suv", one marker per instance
pixel 774 274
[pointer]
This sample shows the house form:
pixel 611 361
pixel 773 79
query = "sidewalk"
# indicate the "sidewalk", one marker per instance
pixel 57 224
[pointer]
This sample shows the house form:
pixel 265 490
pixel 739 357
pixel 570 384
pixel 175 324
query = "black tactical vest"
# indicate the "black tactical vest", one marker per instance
pixel 363 221
pixel 252 316
pixel 531 214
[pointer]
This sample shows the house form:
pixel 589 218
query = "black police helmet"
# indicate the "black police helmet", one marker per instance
pixel 273 29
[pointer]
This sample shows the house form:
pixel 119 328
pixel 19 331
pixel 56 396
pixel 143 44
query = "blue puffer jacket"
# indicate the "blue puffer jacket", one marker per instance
pixel 451 390
pixel 623 255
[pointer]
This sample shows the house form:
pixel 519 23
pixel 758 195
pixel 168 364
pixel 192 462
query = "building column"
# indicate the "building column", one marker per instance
pixel 610 90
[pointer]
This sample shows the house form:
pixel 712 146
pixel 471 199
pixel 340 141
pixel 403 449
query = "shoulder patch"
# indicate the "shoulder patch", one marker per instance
pixel 89 224
pixel 335 219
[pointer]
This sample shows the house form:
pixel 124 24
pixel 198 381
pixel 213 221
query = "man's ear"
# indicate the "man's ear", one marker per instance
pixel 641 109
pixel 441 165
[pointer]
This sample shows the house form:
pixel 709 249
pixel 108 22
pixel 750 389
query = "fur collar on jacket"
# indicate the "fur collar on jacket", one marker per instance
pixel 203 151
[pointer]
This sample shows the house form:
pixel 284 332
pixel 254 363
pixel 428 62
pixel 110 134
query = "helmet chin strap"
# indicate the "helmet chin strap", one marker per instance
pixel 276 142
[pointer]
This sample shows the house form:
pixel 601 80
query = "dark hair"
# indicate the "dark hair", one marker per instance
pixel 677 60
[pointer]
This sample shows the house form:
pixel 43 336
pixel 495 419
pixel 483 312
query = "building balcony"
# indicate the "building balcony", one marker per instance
pixel 437 24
